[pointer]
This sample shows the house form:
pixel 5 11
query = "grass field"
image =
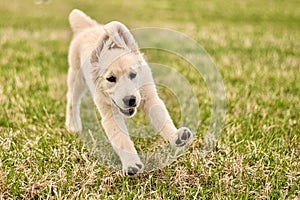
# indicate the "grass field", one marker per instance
pixel 256 48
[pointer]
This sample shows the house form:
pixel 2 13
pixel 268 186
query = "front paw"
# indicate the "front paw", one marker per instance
pixel 184 137
pixel 131 169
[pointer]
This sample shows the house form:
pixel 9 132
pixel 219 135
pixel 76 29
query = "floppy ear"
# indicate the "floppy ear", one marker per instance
pixel 120 35
pixel 117 35
pixel 95 56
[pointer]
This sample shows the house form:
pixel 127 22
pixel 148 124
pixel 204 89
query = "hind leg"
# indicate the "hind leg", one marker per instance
pixel 76 89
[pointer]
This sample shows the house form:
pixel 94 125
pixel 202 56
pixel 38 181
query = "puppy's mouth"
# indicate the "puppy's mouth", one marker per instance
pixel 127 112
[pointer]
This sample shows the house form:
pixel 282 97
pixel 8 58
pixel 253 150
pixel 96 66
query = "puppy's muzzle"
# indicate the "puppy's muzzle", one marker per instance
pixel 130 101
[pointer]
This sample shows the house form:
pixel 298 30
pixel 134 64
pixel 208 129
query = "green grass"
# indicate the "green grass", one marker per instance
pixel 254 44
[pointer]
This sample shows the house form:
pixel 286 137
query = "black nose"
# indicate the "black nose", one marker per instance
pixel 130 101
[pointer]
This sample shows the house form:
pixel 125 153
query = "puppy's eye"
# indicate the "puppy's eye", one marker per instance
pixel 111 79
pixel 132 75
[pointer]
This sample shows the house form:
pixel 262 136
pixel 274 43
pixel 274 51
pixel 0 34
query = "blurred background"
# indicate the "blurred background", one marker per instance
pixel 256 48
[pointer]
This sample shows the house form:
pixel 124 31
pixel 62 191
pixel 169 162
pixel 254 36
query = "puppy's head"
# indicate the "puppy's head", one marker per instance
pixel 116 64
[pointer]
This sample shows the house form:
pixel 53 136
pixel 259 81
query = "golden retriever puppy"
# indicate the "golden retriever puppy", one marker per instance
pixel 106 60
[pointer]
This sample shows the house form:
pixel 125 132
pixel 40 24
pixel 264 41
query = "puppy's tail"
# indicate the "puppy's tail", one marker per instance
pixel 80 21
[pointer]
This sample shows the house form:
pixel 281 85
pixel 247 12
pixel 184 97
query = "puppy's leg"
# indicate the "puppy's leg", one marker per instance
pixel 159 117
pixel 76 89
pixel 117 133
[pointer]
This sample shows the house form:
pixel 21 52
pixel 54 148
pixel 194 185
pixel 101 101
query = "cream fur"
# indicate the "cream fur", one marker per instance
pixel 98 52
